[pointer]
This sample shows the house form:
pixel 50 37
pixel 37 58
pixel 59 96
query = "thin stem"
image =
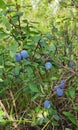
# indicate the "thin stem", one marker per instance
pixel 13 100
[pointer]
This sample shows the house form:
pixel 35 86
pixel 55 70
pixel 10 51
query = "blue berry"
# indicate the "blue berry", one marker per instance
pixel 59 92
pixel 47 104
pixel 24 54
pixel 55 88
pixel 71 64
pixel 18 57
pixel 61 85
pixel 48 65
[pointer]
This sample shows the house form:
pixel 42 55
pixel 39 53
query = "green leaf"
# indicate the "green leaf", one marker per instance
pixel 38 95
pixel 1 67
pixel 1 60
pixel 65 58
pixel 70 117
pixel 2 4
pixel 15 20
pixel 76 108
pixel 67 129
pixel 2 35
pixel 56 117
pixel 40 121
pixel 1 80
pixel 63 4
pixel 29 70
pixel 13 49
pixel 9 63
pixel 36 38
pixel 1 72
pixel 52 48
pixel 33 87
pixel 6 23
pixel 35 97
pixel 42 43
pixel 72 92
pixel 2 120
pixel 35 64
pixel 2 114
pixel 48 35
pixel 42 89
pixel 52 112
pixel 25 21
pixel 26 63
pixel 17 68
pixel 19 14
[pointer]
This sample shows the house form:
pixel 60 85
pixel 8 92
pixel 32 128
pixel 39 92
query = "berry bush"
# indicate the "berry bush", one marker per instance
pixel 38 72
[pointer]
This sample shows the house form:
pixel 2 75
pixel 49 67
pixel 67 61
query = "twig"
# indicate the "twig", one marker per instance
pixel 2 106
pixel 36 47
pixel 64 67
pixel 39 77
pixel 17 8
pixel 45 125
pixel 14 104
pixel 15 26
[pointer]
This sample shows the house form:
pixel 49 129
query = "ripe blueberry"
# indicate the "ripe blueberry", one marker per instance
pixel 59 92
pixel 47 104
pixel 48 65
pixel 61 85
pixel 18 57
pixel 55 88
pixel 71 64
pixel 24 54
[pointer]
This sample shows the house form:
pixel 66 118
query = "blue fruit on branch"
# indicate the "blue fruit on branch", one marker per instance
pixel 59 92
pixel 48 65
pixel 47 104
pixel 24 54
pixel 18 57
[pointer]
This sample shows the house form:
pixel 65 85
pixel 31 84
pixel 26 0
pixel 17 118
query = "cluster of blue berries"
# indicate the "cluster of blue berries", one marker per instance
pixel 22 55
pixel 59 88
